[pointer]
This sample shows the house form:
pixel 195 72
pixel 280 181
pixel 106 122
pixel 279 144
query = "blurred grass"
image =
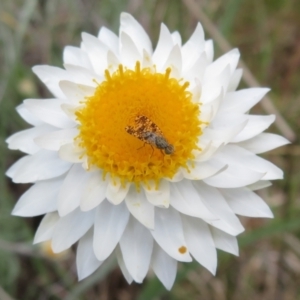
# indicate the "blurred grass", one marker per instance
pixel 267 34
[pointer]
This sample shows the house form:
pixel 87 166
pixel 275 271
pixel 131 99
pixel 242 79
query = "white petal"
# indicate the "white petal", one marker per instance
pixel 71 190
pixel 209 50
pixel 197 69
pixel 110 223
pixel 139 207
pixel 40 199
pixel 28 116
pixel 94 191
pixel 46 228
pixel 122 266
pixel 97 52
pixel 11 172
pixel 168 233
pixel 225 241
pixel 196 92
pixel 76 56
pixel 243 100
pixel 200 242
pixel 24 140
pixel 255 126
pixel 70 111
pixel 223 135
pixel 261 184
pixel 174 61
pixel 159 197
pixel 186 200
pixel 210 109
pixel 225 120
pixel 112 61
pixel 55 139
pixel 76 93
pixel 231 58
pixel 208 149
pixel 70 229
pixel 163 48
pixel 246 203
pixel 147 60
pixel 110 39
pixel 139 36
pixel 177 177
pixel 264 142
pixel 136 245
pixel 212 87
pixel 164 266
pixel 40 166
pixel 194 46
pixel 176 38
pixel 51 76
pixel 83 76
pixel 86 261
pixel 235 80
pixel 71 153
pixel 50 112
pixel 234 176
pixel 213 199
pixel 237 157
pixel 129 52
pixel 116 190
pixel 202 170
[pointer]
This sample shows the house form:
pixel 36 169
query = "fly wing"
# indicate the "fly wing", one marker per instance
pixel 145 130
pixel 144 124
pixel 132 131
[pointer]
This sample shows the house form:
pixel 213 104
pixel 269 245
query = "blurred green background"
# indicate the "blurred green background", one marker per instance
pixel 267 32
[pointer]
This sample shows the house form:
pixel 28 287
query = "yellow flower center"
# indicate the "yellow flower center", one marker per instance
pixel 118 123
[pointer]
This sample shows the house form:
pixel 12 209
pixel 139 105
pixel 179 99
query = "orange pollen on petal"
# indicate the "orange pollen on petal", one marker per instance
pixel 182 249
pixel 114 141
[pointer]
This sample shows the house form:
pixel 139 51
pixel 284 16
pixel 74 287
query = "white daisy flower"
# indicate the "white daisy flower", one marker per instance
pixel 147 155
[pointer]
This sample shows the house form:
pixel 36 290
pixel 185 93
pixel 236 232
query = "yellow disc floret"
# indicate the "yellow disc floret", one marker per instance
pixel 114 137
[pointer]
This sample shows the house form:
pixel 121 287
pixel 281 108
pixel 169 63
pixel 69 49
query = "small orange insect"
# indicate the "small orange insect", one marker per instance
pixel 148 132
